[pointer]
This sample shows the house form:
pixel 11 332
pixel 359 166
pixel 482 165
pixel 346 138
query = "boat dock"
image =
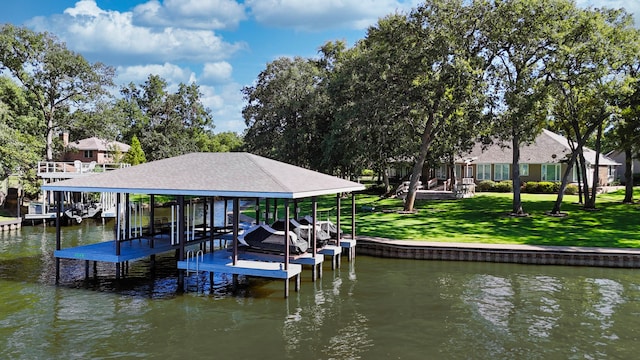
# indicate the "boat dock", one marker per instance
pixel 206 177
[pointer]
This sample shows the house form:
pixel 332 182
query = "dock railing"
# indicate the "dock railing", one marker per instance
pixel 76 167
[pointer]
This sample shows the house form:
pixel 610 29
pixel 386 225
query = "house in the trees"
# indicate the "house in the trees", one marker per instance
pixel 93 149
pixel 543 160
pixel 620 157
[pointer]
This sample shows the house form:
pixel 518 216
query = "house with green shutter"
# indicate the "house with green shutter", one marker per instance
pixel 545 159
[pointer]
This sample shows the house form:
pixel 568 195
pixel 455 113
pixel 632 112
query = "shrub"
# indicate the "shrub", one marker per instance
pixel 485 186
pixel 531 187
pixel 542 187
pixel 503 186
pixel 548 187
pixel 571 189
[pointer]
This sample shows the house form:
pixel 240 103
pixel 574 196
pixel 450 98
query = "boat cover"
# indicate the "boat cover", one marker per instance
pixel 265 238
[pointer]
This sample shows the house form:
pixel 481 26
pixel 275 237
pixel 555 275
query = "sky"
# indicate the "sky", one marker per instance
pixel 222 45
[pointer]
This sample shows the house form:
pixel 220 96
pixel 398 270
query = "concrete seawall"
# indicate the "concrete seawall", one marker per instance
pixel 499 253
pixel 10 224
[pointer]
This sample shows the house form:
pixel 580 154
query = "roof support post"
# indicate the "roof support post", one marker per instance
pixel 181 240
pixel 257 207
pixel 127 217
pixel 338 219
pixel 314 226
pixel 267 208
pixel 118 222
pixel 236 228
pixel 152 219
pixel 226 211
pixel 211 221
pixel 352 250
pixel 58 196
pixel 275 210
pixel 182 236
pixel 286 234
pixel 353 215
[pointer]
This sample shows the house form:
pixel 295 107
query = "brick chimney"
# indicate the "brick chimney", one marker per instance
pixel 64 136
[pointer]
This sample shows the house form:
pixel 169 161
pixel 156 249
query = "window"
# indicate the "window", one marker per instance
pixel 524 169
pixel 88 154
pixel 468 171
pixel 550 172
pixel 483 171
pixel 501 172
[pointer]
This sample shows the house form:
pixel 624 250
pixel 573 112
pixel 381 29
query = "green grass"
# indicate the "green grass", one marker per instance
pixel 485 219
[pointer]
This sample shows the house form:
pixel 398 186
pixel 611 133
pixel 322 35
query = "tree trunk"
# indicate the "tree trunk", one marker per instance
pixel 591 204
pixel 585 178
pixel 564 182
pixel 50 137
pixel 628 176
pixel 517 201
pixel 579 175
pixel 417 167
pixel 385 180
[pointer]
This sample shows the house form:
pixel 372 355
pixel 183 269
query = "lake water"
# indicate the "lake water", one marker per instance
pixel 369 309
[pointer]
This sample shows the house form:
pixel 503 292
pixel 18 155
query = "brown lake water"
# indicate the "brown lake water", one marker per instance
pixel 371 308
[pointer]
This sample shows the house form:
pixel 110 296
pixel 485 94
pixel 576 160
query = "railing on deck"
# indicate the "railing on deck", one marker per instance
pixel 76 167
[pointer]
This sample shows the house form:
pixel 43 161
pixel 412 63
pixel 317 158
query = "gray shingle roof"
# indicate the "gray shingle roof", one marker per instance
pixel 94 143
pixel 548 148
pixel 212 174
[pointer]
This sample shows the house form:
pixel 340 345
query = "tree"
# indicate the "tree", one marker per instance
pixel 281 112
pixel 19 129
pixel 55 76
pixel 227 141
pixel 166 124
pixel 445 53
pixel 584 78
pixel 523 34
pixel 364 131
pixel 135 155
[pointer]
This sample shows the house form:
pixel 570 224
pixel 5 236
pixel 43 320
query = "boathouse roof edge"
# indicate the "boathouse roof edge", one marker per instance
pixel 212 174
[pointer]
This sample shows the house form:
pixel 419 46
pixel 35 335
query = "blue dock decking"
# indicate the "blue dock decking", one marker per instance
pixel 106 251
pixel 220 261
pixel 129 249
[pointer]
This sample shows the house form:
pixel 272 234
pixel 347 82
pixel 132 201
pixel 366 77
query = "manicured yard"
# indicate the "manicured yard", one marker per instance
pixel 484 218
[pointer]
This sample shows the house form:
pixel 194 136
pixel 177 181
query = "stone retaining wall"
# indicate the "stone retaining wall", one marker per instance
pixel 536 255
pixel 10 224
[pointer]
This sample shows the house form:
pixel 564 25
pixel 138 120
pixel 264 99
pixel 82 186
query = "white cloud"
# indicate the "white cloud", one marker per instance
pixel 109 34
pixel 632 7
pixel 226 107
pixel 200 14
pixel 138 74
pixel 314 15
pixel 217 72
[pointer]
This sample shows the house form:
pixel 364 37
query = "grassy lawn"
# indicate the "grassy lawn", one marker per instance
pixel 484 218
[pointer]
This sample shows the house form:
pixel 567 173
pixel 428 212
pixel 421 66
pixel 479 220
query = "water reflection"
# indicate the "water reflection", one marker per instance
pixel 368 309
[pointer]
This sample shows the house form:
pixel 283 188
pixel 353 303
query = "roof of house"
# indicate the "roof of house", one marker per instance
pixel 94 143
pixel 212 174
pixel 547 148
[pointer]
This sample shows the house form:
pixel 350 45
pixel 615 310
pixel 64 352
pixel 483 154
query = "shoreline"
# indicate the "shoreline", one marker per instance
pixel 499 253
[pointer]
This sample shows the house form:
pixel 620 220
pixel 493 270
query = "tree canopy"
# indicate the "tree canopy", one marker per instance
pixel 425 85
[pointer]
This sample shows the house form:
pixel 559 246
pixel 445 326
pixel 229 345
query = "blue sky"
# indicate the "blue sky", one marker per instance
pixel 220 44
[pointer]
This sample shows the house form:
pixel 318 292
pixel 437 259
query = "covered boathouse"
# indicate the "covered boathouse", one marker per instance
pixel 207 176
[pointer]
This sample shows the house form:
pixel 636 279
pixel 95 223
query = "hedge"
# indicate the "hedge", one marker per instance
pixel 532 187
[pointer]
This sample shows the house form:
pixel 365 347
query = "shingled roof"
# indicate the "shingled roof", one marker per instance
pixel 94 143
pixel 548 148
pixel 212 174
